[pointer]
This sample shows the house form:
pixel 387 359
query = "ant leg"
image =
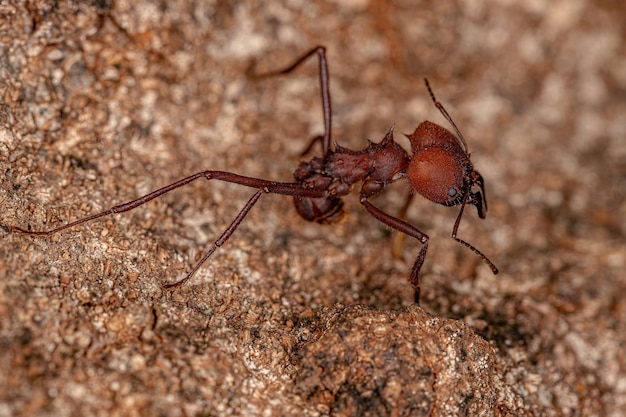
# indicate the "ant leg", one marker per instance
pixel 312 143
pixel 398 241
pixel 285 188
pixel 223 237
pixel 113 210
pixel 320 51
pixel 262 186
pixel 408 229
pixel 414 277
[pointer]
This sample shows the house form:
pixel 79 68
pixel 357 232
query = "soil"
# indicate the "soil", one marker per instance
pixel 102 102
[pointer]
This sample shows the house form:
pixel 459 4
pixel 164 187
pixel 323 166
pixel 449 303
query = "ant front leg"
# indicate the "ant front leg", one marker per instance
pixel 398 241
pixel 408 229
pixel 320 51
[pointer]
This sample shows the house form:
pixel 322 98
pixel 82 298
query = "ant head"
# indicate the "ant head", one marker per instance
pixel 440 168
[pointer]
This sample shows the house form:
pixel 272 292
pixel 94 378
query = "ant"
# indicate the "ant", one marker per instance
pixel 440 170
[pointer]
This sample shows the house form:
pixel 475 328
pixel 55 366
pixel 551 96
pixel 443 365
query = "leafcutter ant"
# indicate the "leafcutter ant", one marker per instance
pixel 439 169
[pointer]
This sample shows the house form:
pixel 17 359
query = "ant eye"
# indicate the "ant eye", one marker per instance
pixel 452 192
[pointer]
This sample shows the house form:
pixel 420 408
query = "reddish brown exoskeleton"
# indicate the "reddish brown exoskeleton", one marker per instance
pixel 440 170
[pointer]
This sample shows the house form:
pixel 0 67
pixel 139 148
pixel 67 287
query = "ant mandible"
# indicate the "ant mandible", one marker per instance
pixel 440 170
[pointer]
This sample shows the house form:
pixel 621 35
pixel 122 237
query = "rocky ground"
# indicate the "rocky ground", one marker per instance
pixel 101 102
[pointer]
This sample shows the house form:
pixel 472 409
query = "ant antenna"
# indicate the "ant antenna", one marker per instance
pixel 446 115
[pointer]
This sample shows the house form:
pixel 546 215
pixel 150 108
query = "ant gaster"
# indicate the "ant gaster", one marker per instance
pixel 439 170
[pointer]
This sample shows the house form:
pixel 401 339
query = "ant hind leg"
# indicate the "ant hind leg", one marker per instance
pixel 222 239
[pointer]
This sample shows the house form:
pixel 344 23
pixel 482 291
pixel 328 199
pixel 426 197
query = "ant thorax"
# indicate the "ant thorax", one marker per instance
pixel 380 163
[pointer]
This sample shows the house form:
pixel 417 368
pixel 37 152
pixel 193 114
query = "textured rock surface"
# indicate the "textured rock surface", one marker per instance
pixel 103 102
pixel 403 363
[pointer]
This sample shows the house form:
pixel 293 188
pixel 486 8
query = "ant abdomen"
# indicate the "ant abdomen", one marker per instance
pixel 323 210
pixel 320 210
